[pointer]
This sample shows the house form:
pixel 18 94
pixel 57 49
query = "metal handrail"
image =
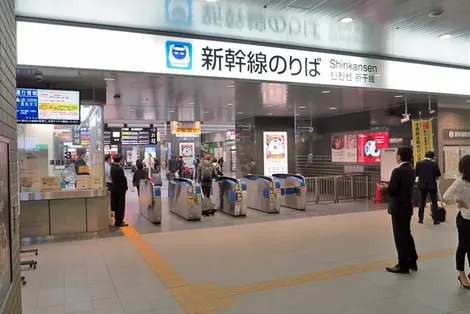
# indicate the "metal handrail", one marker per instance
pixel 340 188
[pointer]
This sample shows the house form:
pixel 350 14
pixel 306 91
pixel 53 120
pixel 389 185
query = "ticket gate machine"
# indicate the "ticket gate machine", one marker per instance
pixel 185 198
pixel 150 201
pixel 264 193
pixel 227 196
pixel 293 190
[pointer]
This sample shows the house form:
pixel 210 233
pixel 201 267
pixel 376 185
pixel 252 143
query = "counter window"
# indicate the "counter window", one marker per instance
pixel 62 157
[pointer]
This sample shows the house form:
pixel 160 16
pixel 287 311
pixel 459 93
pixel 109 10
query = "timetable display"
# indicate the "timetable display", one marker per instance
pixel 47 106
pixel 135 136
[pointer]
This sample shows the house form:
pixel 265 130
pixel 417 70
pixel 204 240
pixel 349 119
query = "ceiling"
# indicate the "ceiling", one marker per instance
pixel 391 28
pixel 139 98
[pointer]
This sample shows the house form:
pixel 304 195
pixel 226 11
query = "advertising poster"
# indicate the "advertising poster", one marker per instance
pixel 422 138
pixel 187 151
pixel 369 146
pixel 275 152
pixel 344 148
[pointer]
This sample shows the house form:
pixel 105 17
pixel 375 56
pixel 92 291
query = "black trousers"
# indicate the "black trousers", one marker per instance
pixel 110 189
pixel 119 198
pixel 404 241
pixel 424 196
pixel 463 248
pixel 206 191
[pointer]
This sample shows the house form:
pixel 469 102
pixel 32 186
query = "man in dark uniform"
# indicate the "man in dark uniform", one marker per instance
pixel 119 191
pixel 400 207
pixel 428 172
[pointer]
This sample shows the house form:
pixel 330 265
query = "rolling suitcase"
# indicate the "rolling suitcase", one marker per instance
pixel 208 207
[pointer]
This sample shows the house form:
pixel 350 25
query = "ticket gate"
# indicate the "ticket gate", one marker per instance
pixel 227 196
pixel 150 201
pixel 263 193
pixel 185 198
pixel 293 190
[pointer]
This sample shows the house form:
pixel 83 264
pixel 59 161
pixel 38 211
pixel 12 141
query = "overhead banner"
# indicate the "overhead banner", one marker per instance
pixel 186 129
pixel 209 58
pixel 422 138
pixel 275 152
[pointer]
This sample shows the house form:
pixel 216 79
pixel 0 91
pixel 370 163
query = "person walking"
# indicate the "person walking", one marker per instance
pixel 107 175
pixel 400 207
pixel 221 164
pixel 172 167
pixel 428 172
pixel 180 166
pixel 119 190
pixel 206 173
pixel 459 192
pixel 139 174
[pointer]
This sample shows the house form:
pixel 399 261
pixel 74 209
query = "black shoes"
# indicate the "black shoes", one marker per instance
pixel 420 221
pixel 122 224
pixel 463 286
pixel 437 222
pixel 397 270
pixel 414 266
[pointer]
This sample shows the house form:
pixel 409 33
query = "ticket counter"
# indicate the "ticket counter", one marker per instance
pixel 61 172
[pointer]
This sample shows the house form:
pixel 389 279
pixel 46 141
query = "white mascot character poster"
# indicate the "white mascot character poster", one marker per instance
pixel 187 151
pixel 275 152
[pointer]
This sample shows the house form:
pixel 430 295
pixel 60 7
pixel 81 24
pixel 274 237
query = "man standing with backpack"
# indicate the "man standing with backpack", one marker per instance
pixel 205 174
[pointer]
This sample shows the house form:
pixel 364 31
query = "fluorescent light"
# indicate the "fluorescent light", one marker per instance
pixel 240 112
pixel 190 103
pixel 230 86
pixel 297 114
pixel 269 114
pixel 347 20
pixel 211 0
pixel 302 107
pixel 229 104
pixel 206 112
pixel 109 78
pixel 468 100
pixel 398 96
pixel 171 111
pixel 325 91
pixel 445 36
pixel 332 108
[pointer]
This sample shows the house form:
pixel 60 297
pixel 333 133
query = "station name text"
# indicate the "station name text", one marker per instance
pixel 347 65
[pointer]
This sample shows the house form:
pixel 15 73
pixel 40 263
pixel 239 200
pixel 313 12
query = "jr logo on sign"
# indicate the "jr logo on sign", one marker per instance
pixel 179 55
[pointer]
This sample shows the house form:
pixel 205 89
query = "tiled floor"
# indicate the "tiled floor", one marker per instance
pixel 325 265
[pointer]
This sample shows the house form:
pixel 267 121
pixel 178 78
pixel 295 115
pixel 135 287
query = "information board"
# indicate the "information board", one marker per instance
pixel 47 106
pixel 135 136
pixel 388 162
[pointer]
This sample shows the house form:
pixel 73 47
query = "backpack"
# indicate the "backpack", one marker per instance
pixel 206 173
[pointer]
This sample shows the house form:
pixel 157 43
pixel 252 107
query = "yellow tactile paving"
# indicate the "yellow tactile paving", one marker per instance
pixel 207 298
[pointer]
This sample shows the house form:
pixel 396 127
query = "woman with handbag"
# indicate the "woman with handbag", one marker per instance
pixel 459 193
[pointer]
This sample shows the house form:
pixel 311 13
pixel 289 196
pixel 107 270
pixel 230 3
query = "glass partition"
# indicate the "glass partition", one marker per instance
pixel 57 157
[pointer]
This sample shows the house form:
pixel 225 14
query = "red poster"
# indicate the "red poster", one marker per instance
pixel 369 146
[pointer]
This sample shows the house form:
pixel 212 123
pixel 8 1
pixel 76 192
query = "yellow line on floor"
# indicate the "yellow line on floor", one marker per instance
pixel 204 298
pixel 207 298
pixel 325 274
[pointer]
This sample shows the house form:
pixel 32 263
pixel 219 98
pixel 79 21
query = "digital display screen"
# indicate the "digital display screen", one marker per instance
pixel 135 136
pixel 47 106
pixel 369 146
pixel 275 152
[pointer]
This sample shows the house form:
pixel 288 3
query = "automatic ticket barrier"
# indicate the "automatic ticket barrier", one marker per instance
pixel 228 197
pixel 293 190
pixel 150 201
pixel 185 198
pixel 262 193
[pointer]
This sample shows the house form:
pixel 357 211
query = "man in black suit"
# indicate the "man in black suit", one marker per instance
pixel 428 172
pixel 400 190
pixel 119 190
